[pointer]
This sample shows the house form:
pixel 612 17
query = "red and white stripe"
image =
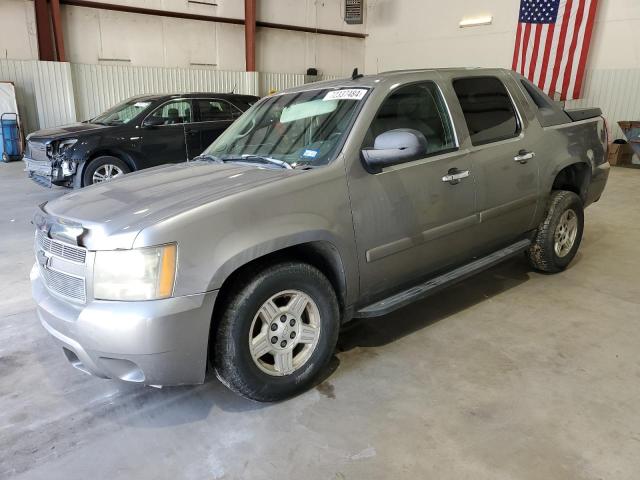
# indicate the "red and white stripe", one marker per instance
pixel 553 56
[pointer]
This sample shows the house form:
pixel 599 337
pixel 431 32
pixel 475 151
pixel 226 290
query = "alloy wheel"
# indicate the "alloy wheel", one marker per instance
pixel 284 333
pixel 106 172
pixel 566 233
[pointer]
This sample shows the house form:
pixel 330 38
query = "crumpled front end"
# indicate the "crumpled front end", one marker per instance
pixel 46 168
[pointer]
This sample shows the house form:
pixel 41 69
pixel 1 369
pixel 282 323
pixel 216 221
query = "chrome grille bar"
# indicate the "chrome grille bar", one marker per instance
pixel 60 249
pixel 64 284
pixel 70 284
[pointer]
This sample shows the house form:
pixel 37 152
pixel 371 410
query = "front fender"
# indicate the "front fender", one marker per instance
pixel 239 252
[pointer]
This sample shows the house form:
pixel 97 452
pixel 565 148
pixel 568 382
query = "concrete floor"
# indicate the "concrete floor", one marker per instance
pixel 509 375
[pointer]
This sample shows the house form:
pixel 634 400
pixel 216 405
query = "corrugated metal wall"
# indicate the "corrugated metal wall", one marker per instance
pixel 44 92
pixel 55 99
pixel 99 87
pixel 53 93
pixel 270 82
pixel 21 74
pixel 616 92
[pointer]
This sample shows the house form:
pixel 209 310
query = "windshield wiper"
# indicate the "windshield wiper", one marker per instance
pixel 258 159
pixel 207 158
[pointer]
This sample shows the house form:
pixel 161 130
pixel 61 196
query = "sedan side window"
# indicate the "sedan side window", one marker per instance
pixel 172 113
pixel 488 109
pixel 212 110
pixel 418 106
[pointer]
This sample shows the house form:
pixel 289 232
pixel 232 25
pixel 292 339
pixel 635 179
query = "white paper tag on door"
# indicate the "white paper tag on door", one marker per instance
pixel 346 94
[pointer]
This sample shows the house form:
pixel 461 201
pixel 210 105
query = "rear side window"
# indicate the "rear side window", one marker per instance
pixel 212 110
pixel 549 113
pixel 418 106
pixel 488 109
pixel 539 98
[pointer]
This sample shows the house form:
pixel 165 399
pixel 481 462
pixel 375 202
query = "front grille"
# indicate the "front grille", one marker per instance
pixel 60 249
pixel 37 151
pixel 64 284
pixel 62 267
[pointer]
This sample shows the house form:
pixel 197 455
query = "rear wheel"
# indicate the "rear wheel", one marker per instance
pixel 558 237
pixel 104 169
pixel 277 332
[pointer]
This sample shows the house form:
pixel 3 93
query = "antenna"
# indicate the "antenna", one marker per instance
pixel 355 75
pixel 234 88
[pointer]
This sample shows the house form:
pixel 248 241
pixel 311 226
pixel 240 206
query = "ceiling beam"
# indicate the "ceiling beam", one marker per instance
pixel 205 18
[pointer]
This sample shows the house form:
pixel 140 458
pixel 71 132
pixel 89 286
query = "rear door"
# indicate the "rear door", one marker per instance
pixel 214 116
pixel 503 155
pixel 411 219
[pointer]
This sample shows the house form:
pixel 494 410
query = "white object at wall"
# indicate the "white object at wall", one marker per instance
pixel 8 101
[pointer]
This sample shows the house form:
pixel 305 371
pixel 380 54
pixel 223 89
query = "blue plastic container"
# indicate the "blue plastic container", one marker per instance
pixel 9 139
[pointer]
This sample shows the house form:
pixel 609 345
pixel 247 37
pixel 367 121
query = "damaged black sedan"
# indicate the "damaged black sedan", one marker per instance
pixel 141 132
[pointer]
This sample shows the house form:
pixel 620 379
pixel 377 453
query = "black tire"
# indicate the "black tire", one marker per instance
pixel 96 163
pixel 232 359
pixel 542 253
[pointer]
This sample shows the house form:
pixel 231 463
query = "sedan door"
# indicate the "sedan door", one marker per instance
pixel 214 117
pixel 418 217
pixel 504 160
pixel 167 135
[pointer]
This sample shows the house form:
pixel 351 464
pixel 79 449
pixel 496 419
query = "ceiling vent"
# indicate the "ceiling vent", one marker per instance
pixel 353 11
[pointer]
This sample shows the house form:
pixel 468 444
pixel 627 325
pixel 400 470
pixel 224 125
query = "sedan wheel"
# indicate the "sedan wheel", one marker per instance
pixel 106 172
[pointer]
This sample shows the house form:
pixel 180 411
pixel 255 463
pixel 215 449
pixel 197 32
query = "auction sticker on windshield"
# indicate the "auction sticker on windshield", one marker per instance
pixel 346 94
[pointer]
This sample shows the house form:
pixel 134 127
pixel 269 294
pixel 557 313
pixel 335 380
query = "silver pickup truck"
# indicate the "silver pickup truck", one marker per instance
pixel 322 203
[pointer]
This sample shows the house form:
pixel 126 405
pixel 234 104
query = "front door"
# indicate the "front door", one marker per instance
pixel 170 137
pixel 504 160
pixel 413 219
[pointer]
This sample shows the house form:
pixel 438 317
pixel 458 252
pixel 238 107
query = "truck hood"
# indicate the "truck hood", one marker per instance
pixel 67 131
pixel 113 213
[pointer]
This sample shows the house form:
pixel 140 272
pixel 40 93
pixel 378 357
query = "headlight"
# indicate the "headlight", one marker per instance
pixel 64 144
pixel 138 274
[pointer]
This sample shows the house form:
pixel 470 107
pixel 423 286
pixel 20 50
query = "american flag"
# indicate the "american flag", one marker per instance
pixel 552 44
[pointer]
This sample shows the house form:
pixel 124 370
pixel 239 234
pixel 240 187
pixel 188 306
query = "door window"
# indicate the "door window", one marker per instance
pixel 172 113
pixel 488 109
pixel 212 110
pixel 418 106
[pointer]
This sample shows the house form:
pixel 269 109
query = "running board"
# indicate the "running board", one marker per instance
pixel 429 287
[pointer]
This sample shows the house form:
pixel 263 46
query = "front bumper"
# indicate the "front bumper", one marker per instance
pixel 40 171
pixel 157 342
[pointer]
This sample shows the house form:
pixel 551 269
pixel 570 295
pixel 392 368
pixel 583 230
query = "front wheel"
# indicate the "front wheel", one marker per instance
pixel 558 236
pixel 104 169
pixel 277 333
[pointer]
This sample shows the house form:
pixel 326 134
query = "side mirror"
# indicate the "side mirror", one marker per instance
pixel 394 147
pixel 151 122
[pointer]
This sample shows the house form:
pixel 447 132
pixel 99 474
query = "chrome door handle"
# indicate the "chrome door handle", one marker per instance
pixel 524 156
pixel 454 176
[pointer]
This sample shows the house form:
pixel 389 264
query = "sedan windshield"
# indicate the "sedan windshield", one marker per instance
pixel 121 113
pixel 302 128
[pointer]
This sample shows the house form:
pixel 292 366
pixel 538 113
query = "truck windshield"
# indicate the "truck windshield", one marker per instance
pixel 121 113
pixel 302 128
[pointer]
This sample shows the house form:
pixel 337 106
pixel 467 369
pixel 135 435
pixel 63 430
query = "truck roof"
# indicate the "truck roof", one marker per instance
pixel 389 76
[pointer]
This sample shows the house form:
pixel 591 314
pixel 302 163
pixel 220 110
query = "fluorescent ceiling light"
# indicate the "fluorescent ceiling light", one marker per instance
pixel 476 21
